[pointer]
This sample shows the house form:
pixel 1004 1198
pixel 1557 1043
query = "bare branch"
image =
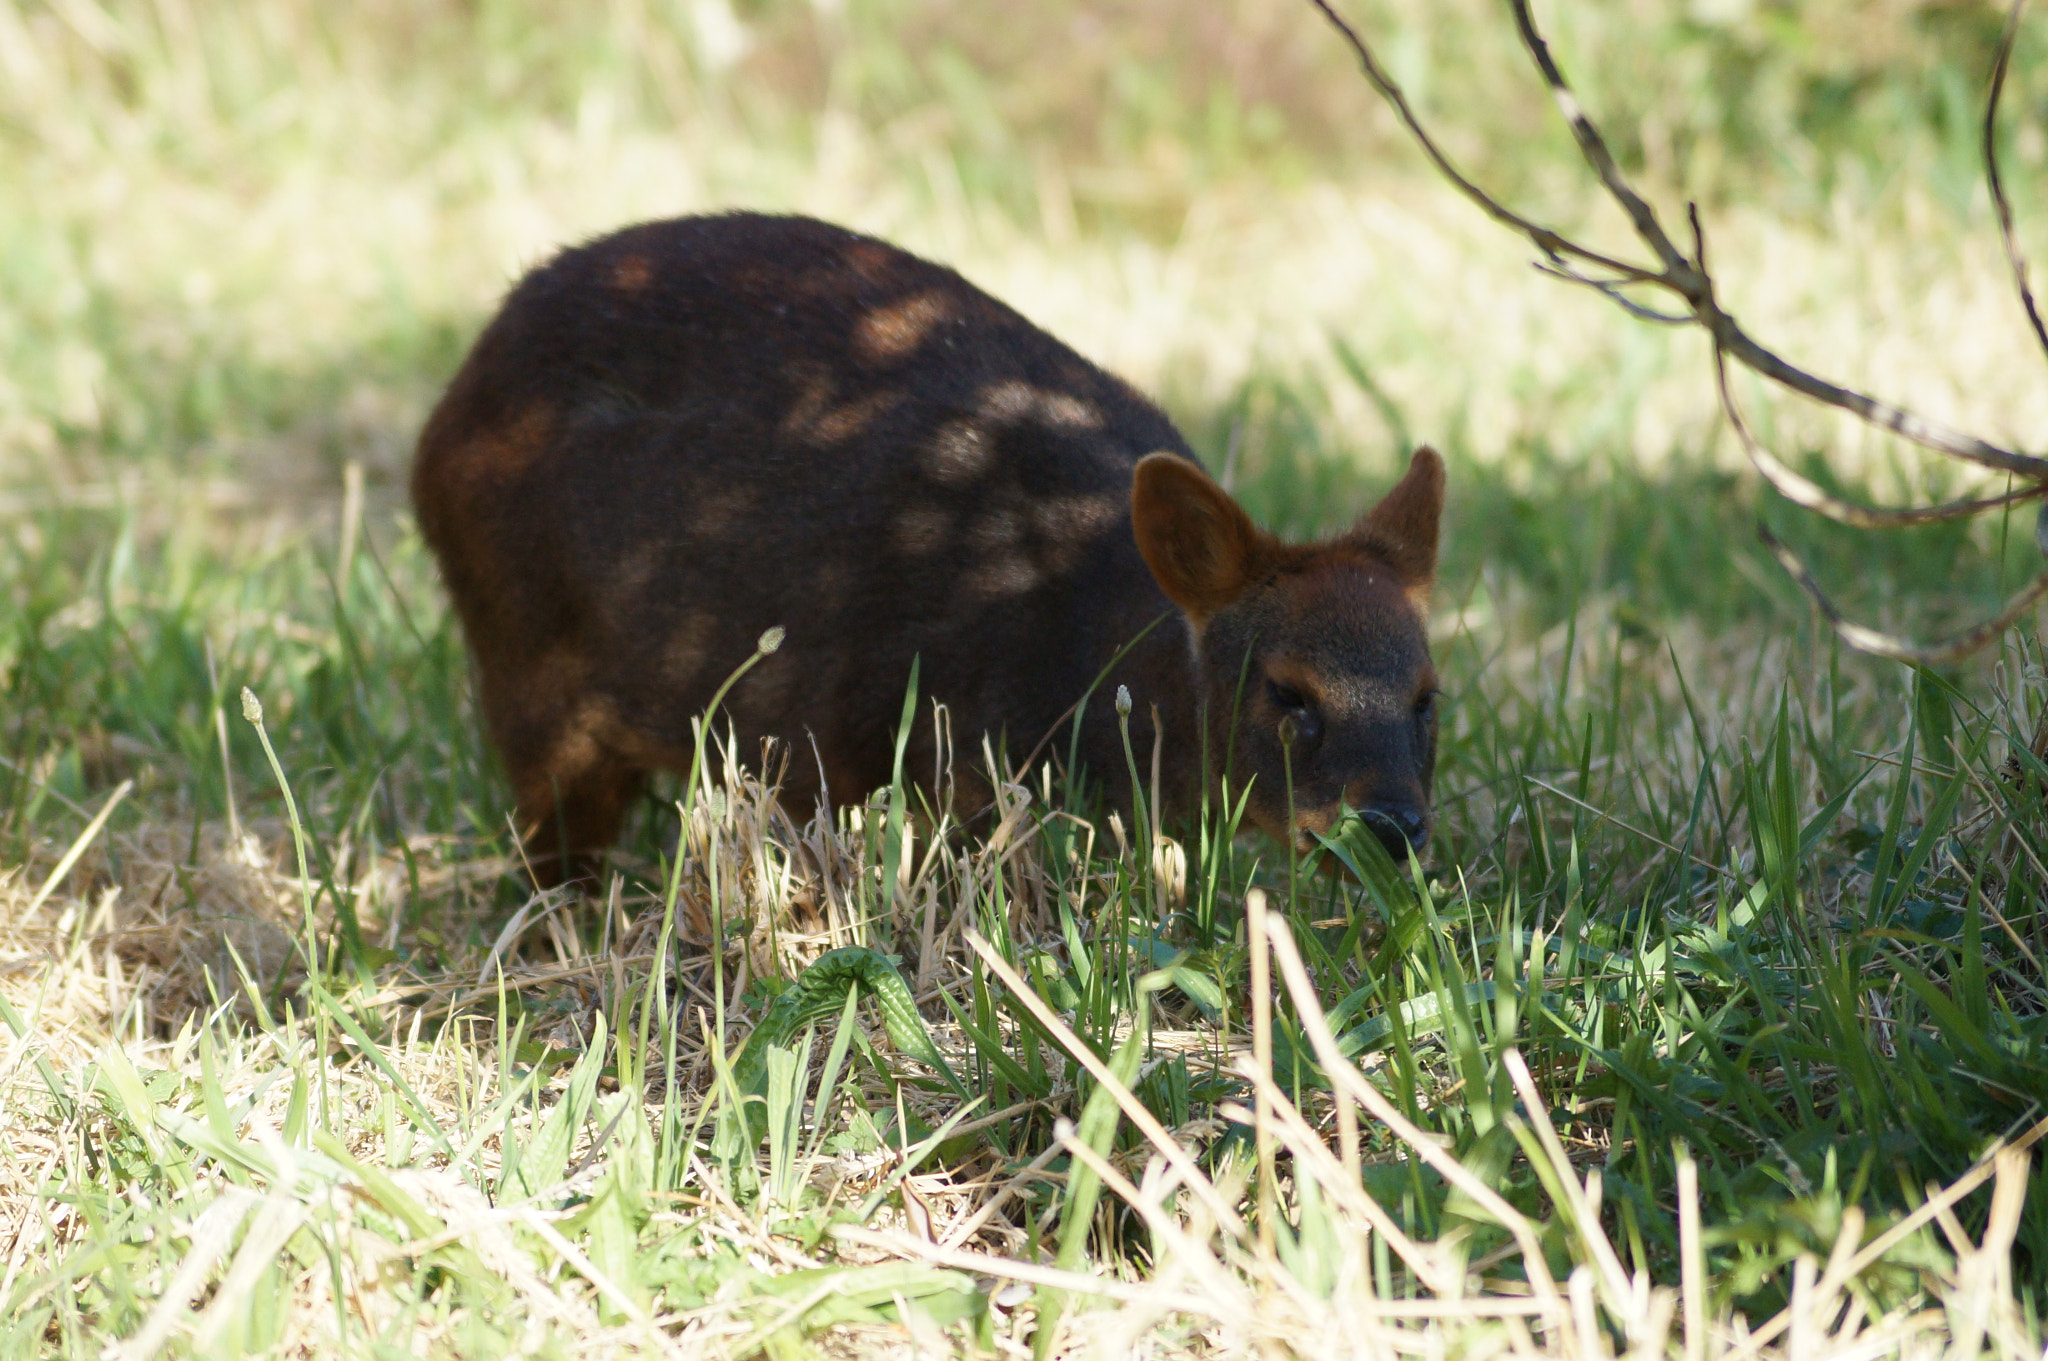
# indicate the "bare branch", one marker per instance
pixel 1678 270
pixel 1942 439
pixel 2013 256
pixel 1689 279
pixel 1546 240
pixel 1810 495
pixel 1611 290
pixel 1953 648
pixel 1686 278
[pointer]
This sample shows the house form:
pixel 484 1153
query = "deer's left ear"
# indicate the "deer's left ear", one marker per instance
pixel 1402 529
pixel 1204 551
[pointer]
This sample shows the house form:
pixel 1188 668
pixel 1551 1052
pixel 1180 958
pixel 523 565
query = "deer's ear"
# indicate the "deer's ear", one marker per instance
pixel 1402 528
pixel 1202 548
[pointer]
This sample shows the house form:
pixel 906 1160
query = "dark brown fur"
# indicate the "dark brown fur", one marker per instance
pixel 674 438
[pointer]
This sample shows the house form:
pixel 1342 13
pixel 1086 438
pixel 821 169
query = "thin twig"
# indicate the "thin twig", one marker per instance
pixel 1688 279
pixel 1549 242
pixel 2014 257
pixel 1594 148
pixel 1944 652
pixel 1807 494
pixel 1611 290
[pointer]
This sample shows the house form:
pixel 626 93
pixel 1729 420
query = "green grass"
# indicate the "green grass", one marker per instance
pixel 1751 914
pixel 1681 873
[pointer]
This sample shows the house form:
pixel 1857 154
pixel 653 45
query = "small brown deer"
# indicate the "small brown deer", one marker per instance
pixel 677 437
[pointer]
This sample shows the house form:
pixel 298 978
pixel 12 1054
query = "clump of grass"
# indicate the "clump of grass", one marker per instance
pixel 1753 927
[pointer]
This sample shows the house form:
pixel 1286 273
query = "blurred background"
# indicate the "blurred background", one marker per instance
pixel 242 244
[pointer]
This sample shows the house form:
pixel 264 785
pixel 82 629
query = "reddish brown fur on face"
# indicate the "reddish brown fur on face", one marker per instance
pixel 1339 627
pixel 1402 528
pixel 676 437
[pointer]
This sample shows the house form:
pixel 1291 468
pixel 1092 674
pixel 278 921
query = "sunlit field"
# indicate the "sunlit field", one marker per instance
pixel 1712 1024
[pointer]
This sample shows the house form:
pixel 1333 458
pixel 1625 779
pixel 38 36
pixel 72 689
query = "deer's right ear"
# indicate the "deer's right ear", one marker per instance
pixel 1402 528
pixel 1202 548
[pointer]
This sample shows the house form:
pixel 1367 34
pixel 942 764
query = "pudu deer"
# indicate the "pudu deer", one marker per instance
pixel 677 437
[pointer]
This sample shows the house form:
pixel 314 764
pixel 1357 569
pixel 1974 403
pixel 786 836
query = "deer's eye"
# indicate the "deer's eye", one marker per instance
pixel 1426 705
pixel 1299 721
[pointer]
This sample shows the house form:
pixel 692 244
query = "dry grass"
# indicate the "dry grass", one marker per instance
pixel 336 1218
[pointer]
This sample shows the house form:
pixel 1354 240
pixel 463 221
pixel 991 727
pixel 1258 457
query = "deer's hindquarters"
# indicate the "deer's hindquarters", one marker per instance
pixel 680 436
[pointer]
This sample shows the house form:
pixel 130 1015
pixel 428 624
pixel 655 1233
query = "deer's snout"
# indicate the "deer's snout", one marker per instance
pixel 1400 826
pixel 1397 810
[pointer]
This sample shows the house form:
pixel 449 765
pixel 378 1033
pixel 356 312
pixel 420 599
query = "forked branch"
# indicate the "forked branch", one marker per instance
pixel 1686 277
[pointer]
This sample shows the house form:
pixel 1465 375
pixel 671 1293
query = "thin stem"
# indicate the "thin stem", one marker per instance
pixel 2014 257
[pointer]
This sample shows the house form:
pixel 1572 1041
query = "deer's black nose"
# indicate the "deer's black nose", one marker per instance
pixel 1399 826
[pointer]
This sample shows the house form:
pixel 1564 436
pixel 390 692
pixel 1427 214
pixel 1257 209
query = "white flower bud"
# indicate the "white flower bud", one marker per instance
pixel 1123 701
pixel 252 707
pixel 771 640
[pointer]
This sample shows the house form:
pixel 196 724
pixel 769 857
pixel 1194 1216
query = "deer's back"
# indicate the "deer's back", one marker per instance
pixel 676 437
